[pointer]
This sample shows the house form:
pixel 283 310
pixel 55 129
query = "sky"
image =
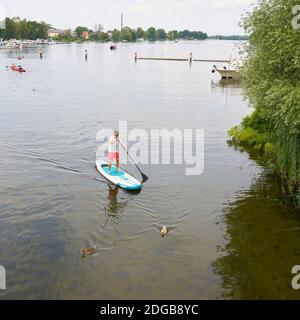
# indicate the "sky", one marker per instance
pixel 211 16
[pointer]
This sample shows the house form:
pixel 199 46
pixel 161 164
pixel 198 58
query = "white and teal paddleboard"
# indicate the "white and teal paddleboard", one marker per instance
pixel 120 178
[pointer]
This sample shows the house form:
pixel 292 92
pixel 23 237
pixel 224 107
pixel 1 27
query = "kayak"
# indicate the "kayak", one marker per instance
pixel 119 178
pixel 18 69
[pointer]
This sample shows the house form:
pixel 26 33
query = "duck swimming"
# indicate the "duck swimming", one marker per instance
pixel 88 251
pixel 164 231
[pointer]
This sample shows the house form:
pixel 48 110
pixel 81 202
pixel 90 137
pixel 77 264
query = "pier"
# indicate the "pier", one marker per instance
pixel 164 59
pixel 189 59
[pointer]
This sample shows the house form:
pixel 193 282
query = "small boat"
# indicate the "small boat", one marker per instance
pixel 113 47
pixel 19 69
pixel 232 72
pixel 120 178
pixel 229 74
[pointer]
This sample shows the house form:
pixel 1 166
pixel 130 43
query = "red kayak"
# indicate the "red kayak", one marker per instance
pixel 17 69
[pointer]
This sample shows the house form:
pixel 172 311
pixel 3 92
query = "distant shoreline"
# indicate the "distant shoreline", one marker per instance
pixel 25 45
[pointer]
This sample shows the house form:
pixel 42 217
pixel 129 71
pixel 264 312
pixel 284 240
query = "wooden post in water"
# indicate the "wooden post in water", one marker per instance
pixel 135 57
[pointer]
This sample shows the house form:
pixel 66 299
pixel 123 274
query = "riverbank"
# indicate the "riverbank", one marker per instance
pixel 19 44
pixel 271 79
pixel 253 136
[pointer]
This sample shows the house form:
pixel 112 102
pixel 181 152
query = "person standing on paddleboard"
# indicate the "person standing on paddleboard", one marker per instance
pixel 113 150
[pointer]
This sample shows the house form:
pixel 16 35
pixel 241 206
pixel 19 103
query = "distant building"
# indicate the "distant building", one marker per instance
pixel 85 35
pixel 53 33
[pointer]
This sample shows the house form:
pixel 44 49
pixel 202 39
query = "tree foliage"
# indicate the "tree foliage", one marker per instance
pixel 116 35
pixel 152 34
pixel 23 29
pixel 272 78
pixel 79 31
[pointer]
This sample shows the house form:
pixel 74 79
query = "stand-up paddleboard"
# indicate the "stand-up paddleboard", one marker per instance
pixel 120 178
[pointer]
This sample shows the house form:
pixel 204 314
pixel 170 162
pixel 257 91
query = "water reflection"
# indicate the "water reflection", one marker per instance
pixel 226 83
pixel 112 207
pixel 261 244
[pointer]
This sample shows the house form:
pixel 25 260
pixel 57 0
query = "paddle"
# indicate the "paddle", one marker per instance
pixel 145 178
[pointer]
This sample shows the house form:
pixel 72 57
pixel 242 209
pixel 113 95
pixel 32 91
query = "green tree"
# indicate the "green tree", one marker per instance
pixel 43 29
pixel 172 35
pixel 11 31
pixel 22 29
pixel 161 34
pixel 152 34
pixel 185 34
pixel 79 30
pixel 116 35
pixel 126 34
pixel 103 37
pixel 272 78
pixel 140 33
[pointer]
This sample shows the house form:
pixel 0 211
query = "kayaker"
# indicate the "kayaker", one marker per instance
pixel 113 150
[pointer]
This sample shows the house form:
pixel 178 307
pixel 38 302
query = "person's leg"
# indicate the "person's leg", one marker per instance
pixel 109 162
pixel 118 160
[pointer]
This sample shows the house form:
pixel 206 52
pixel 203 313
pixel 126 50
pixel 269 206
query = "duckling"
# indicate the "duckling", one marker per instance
pixel 88 251
pixel 164 231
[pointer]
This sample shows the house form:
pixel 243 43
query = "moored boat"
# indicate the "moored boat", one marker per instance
pixel 229 74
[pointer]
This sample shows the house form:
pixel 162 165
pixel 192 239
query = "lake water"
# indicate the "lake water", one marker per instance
pixel 231 235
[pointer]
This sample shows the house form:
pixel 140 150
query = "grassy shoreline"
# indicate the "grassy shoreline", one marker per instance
pixel 254 137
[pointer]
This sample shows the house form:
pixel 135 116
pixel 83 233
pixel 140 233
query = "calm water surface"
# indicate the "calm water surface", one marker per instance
pixel 231 236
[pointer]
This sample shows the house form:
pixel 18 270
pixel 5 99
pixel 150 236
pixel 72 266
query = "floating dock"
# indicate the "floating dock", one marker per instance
pixel 189 59
pixel 163 59
pixel 213 61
